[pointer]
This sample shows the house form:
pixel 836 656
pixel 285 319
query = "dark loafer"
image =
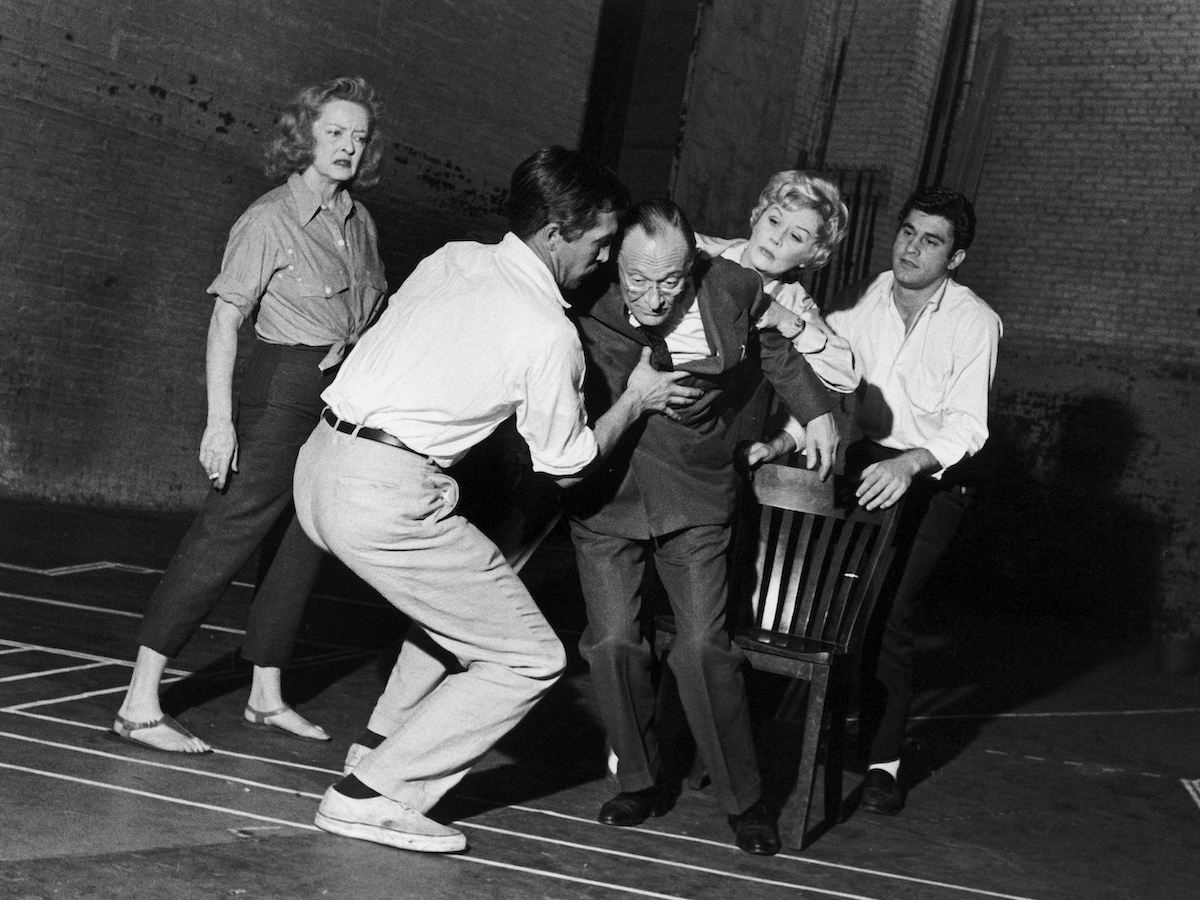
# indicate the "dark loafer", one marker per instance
pixel 881 794
pixel 634 807
pixel 755 831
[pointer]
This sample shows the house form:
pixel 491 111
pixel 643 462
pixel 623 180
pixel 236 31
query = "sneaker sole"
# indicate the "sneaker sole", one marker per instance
pixel 421 843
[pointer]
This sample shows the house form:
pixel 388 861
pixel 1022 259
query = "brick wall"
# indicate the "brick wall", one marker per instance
pixel 1093 176
pixel 132 142
pixel 132 138
pixel 741 109
pixel 762 84
pixel 882 111
pixel 1089 207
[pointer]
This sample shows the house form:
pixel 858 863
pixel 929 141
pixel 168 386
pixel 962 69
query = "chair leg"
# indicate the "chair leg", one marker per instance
pixel 793 701
pixel 835 747
pixel 794 820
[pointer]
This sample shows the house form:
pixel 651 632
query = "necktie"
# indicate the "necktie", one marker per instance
pixel 660 356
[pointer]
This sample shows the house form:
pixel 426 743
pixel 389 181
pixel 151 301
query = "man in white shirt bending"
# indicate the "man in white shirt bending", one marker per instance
pixel 478 333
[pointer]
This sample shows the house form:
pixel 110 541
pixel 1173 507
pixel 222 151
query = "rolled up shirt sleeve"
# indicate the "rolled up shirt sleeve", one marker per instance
pixel 552 418
pixel 249 264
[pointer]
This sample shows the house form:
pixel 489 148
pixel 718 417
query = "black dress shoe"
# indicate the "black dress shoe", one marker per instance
pixel 755 831
pixel 634 807
pixel 881 794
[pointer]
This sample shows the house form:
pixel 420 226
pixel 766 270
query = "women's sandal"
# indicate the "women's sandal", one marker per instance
pixel 128 730
pixel 257 719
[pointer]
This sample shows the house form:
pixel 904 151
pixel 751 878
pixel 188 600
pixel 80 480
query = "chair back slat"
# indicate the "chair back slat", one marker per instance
pixel 778 595
pixel 832 565
pixel 768 565
pixel 795 582
pixel 818 557
pixel 809 576
pixel 854 581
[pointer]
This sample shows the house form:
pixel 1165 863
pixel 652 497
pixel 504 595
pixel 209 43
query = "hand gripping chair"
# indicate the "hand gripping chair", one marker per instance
pixel 802 611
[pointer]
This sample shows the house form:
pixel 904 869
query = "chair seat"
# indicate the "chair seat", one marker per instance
pixel 763 640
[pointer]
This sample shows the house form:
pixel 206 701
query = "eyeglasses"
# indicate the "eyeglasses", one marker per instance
pixel 639 285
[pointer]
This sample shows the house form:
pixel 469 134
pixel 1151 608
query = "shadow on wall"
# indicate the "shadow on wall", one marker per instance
pixel 1050 535
pixel 1052 575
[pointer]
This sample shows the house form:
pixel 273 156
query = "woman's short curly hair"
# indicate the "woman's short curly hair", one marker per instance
pixel 291 149
pixel 792 190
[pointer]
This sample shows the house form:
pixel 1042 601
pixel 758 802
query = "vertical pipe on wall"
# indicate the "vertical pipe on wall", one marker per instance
pixel 960 42
pixel 614 62
pixel 703 6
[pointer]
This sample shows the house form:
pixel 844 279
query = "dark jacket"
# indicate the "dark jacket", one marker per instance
pixel 666 475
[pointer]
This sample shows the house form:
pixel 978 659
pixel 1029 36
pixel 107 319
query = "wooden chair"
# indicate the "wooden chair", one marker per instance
pixel 819 561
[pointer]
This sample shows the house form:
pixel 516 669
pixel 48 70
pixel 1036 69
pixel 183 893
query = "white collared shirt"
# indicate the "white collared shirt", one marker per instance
pixel 475 334
pixel 684 331
pixel 927 388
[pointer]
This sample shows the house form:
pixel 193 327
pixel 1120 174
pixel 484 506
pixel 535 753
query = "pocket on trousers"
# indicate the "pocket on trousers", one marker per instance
pixel 446 490
pixel 427 498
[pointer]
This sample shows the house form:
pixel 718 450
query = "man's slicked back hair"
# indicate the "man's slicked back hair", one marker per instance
pixel 655 216
pixel 565 187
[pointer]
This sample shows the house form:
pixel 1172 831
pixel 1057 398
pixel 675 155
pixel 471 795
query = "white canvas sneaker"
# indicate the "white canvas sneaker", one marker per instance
pixel 387 822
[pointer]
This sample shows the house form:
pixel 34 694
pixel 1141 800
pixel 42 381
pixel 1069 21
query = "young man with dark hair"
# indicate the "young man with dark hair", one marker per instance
pixel 927 347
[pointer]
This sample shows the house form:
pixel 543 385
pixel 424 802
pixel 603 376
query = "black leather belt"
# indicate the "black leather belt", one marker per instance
pixel 371 434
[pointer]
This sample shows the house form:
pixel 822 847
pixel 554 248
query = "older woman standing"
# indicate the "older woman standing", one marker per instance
pixel 798 221
pixel 302 262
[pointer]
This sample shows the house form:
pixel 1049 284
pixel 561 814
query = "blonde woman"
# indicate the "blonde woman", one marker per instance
pixel 798 221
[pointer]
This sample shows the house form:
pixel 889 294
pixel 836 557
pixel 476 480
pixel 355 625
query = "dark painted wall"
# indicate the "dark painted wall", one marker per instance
pixel 132 139
pixel 1089 207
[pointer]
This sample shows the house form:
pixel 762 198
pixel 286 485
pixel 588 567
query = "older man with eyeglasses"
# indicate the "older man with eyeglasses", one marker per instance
pixel 668 493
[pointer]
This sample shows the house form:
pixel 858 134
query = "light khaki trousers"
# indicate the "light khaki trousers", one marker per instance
pixel 389 516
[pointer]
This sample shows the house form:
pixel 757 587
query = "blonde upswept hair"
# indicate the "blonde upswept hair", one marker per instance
pixel 793 189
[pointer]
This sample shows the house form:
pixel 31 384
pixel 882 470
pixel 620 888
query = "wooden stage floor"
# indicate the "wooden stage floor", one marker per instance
pixel 1055 761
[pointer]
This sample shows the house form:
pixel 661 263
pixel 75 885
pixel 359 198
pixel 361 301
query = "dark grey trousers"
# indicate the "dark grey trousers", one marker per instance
pixel 279 406
pixel 693 567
